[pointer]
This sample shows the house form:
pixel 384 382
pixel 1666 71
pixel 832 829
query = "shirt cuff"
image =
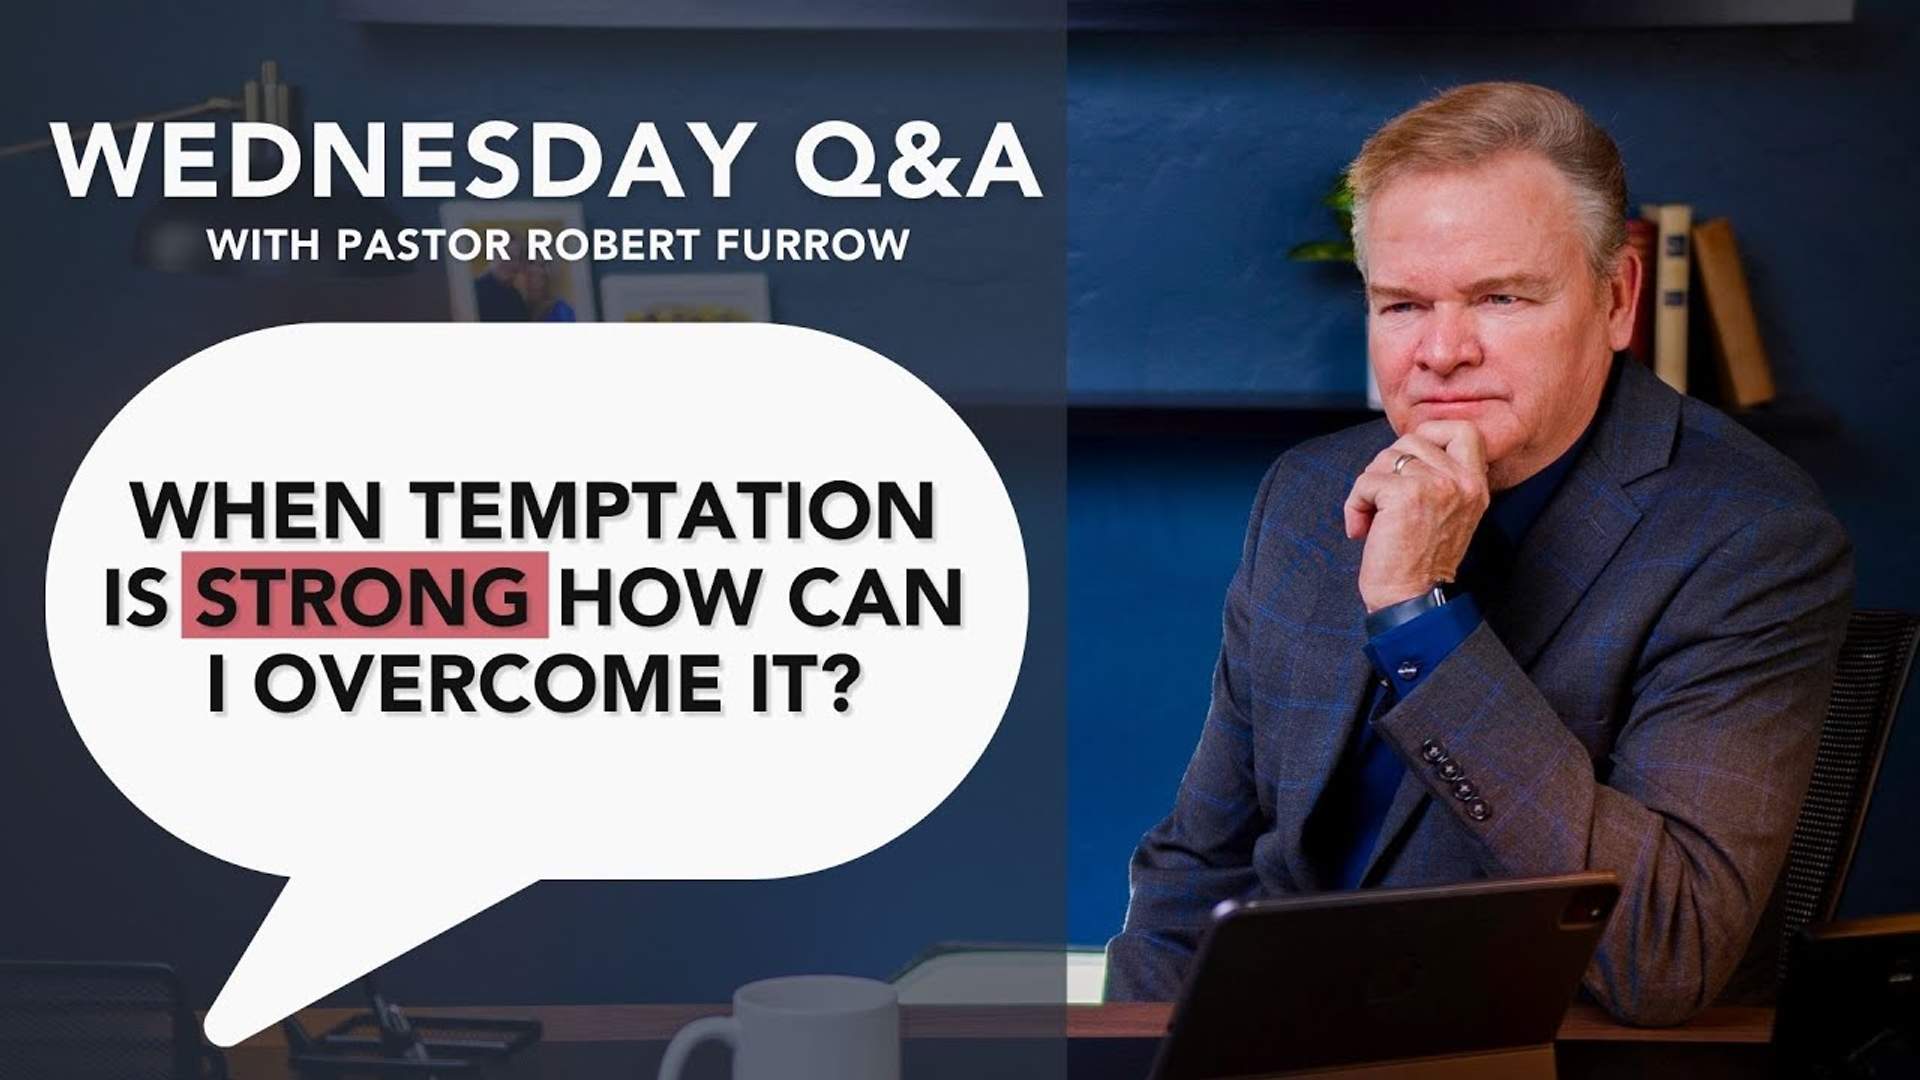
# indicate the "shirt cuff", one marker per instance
pixel 1405 654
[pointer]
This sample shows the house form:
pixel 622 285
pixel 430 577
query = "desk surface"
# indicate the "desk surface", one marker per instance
pixel 1105 1042
pixel 643 1023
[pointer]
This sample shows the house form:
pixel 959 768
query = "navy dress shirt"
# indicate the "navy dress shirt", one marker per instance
pixel 1345 823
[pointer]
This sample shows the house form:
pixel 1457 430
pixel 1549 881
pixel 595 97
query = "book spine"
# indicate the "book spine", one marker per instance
pixel 1644 237
pixel 1670 285
pixel 1746 379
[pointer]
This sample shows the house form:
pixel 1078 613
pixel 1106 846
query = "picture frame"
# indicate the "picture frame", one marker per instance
pixel 551 290
pixel 742 297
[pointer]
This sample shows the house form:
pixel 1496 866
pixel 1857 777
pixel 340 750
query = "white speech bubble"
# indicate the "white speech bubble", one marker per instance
pixel 395 827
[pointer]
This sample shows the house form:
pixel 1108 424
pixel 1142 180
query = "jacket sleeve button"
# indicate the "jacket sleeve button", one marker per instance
pixel 1478 810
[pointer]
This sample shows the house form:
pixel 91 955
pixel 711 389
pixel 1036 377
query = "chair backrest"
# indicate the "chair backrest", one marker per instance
pixel 1875 661
pixel 85 1021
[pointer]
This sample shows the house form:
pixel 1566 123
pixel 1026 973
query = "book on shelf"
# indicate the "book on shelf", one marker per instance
pixel 1643 237
pixel 1746 379
pixel 1673 267
pixel 969 973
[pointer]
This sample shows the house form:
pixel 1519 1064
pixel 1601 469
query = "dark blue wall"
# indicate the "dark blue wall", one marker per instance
pixel 87 877
pixel 1196 162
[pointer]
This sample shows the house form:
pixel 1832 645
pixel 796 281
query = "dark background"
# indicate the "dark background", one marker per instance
pixel 1196 161
pixel 977 311
pixel 1193 161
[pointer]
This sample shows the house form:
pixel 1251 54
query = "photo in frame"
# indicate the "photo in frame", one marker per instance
pixel 685 298
pixel 517 288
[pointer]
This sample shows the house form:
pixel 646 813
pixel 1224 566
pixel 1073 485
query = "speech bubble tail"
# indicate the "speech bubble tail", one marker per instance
pixel 325 932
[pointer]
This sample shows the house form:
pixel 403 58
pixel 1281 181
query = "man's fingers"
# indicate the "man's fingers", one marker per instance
pixel 1424 451
pixel 1444 452
pixel 1459 439
pixel 1362 502
pixel 1443 432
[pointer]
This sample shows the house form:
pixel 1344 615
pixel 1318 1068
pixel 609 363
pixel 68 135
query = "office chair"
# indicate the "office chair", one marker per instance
pixel 1850 1009
pixel 85 1021
pixel 1875 661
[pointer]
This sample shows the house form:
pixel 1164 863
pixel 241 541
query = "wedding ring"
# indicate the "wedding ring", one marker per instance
pixel 1401 462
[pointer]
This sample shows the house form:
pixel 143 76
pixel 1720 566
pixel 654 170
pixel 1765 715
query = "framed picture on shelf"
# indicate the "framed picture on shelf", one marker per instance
pixel 685 298
pixel 517 287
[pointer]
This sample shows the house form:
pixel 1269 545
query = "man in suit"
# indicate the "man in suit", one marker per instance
pixel 1547 616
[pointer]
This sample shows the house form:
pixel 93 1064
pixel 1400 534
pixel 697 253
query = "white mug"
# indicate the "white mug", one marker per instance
pixel 803 1027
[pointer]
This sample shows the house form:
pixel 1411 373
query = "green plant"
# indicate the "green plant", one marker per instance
pixel 1339 200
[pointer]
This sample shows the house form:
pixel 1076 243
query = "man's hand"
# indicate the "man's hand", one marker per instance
pixel 1419 521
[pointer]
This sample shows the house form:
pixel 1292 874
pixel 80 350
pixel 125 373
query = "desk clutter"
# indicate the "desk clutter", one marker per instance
pixel 385 1042
pixel 1849 1009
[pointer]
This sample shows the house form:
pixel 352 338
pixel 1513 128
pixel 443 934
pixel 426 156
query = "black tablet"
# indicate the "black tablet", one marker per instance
pixel 1384 975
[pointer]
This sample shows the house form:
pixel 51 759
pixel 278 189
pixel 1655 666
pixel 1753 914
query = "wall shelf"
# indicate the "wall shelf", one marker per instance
pixel 1214 416
pixel 711 14
pixel 1787 420
pixel 1254 15
pixel 1149 15
pixel 1791 418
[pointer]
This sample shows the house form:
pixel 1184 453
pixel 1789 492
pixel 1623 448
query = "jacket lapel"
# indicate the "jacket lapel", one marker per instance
pixel 1590 516
pixel 1410 796
pixel 1571 543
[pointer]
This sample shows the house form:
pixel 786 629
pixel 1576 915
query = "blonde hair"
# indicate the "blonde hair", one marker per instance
pixel 1472 124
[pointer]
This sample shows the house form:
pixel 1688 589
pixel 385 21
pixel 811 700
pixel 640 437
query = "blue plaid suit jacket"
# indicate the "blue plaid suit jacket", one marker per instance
pixel 1645 697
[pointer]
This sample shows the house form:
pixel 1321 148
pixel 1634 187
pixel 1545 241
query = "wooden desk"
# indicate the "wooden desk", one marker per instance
pixel 1106 1042
pixel 1584 1023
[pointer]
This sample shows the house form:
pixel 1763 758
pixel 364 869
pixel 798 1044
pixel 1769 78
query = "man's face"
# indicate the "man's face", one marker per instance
pixel 1481 307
